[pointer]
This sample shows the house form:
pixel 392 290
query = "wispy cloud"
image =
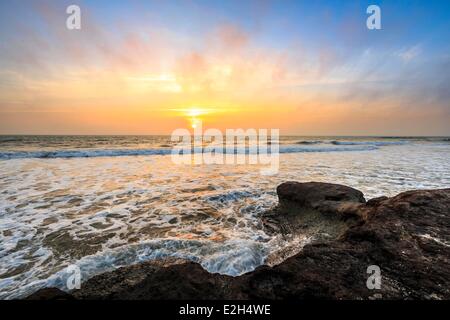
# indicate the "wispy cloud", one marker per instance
pixel 409 54
pixel 335 77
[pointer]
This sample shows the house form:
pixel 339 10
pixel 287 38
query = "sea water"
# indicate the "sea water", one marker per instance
pixel 102 202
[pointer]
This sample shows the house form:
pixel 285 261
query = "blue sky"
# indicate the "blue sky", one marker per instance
pixel 301 58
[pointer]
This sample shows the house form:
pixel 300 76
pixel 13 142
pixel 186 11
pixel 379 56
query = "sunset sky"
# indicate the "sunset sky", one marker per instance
pixel 149 67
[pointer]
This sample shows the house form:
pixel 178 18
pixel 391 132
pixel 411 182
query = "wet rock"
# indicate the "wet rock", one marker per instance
pixel 376 201
pixel 313 209
pixel 316 193
pixel 155 280
pixel 406 236
pixel 327 198
pixel 50 294
pixel 413 266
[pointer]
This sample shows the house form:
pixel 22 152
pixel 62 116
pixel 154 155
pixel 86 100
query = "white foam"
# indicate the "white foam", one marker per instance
pixel 216 206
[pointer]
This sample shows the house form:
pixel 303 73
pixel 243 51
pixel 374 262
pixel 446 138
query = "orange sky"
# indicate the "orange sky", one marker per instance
pixel 140 77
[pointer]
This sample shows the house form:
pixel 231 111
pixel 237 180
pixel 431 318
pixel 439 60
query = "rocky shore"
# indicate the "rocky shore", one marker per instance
pixel 406 236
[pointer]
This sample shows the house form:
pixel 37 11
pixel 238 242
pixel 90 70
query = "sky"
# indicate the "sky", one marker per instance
pixel 150 67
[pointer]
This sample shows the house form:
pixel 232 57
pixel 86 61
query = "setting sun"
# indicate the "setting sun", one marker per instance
pixel 195 115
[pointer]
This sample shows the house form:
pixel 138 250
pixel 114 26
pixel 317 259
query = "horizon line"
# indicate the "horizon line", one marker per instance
pixel 168 135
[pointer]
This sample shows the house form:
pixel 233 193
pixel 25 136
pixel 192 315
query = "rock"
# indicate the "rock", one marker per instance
pixel 313 209
pixel 376 201
pixel 327 198
pixel 146 281
pixel 50 294
pixel 313 194
pixel 406 236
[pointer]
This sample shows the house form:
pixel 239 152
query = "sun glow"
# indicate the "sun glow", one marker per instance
pixel 194 114
pixel 195 122
pixel 194 111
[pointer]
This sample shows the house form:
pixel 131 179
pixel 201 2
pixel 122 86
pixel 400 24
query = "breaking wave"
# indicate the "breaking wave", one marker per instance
pixel 369 143
pixel 233 257
pixel 161 151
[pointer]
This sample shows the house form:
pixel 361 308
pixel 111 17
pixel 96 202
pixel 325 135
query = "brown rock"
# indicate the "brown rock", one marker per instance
pixel 407 236
pixel 50 294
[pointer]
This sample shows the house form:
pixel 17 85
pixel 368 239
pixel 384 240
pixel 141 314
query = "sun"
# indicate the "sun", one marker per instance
pixel 195 112
pixel 194 115
pixel 195 122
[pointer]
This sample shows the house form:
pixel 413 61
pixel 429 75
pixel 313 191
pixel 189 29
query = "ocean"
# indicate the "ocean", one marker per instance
pixel 102 202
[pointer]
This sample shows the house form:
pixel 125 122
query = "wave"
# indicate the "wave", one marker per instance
pixel 230 196
pixel 232 257
pixel 365 143
pixel 351 143
pixel 81 153
pixel 329 149
pixel 309 142
pixel 67 154
pixel 6 140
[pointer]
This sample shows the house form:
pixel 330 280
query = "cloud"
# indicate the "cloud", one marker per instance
pixel 148 66
pixel 409 54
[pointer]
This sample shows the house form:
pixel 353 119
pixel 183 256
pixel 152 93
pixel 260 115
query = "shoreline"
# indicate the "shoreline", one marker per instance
pixel 407 236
